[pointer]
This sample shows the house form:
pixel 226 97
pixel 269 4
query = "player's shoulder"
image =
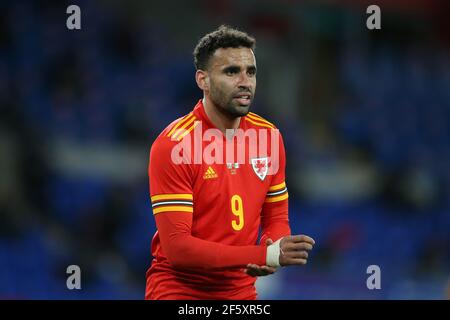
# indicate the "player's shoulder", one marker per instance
pixel 256 121
pixel 176 131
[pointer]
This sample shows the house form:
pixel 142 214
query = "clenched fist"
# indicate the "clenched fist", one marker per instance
pixel 294 250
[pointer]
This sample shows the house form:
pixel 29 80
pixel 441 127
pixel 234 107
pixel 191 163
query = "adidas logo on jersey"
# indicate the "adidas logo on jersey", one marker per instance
pixel 210 174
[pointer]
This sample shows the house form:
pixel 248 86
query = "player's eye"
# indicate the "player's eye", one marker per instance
pixel 231 71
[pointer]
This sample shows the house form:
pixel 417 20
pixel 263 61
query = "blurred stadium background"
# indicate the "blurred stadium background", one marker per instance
pixel 365 116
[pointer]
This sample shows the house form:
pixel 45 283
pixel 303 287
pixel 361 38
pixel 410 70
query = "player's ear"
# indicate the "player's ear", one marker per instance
pixel 202 79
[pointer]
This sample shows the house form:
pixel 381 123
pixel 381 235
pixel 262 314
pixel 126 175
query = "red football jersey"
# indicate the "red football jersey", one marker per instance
pixel 211 195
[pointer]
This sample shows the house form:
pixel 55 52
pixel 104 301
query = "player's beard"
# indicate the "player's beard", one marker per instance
pixel 227 104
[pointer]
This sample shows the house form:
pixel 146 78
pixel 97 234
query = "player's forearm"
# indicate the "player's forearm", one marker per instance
pixel 189 252
pixel 185 251
pixel 274 221
pixel 275 231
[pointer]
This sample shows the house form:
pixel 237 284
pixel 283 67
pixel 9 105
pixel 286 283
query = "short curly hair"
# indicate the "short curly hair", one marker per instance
pixel 223 37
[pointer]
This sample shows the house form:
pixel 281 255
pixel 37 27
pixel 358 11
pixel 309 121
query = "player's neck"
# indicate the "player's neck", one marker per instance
pixel 218 119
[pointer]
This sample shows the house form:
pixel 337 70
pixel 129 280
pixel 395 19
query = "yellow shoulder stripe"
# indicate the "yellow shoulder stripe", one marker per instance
pixel 259 123
pixel 182 129
pixel 187 131
pixel 181 122
pixel 256 117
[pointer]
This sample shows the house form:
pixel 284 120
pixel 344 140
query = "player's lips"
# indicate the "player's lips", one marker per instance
pixel 244 98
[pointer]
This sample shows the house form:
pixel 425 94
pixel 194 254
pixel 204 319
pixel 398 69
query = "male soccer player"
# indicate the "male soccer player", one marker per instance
pixel 209 200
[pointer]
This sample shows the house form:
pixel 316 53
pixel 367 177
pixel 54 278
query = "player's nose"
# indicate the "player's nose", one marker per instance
pixel 245 83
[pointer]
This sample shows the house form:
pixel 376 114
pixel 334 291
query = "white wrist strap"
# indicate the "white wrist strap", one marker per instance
pixel 273 254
